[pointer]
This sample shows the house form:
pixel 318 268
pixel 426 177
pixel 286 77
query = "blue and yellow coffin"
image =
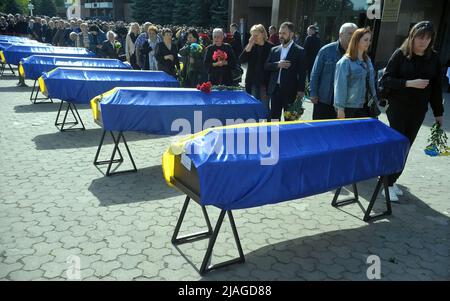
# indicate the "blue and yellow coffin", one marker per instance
pixel 305 158
pixel 33 66
pixel 6 44
pixel 80 85
pixel 153 110
pixel 7 37
pixel 13 54
pixel 4 38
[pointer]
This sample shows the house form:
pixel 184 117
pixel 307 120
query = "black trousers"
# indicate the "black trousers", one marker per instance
pixel 324 111
pixel 406 121
pixel 357 112
pixel 280 99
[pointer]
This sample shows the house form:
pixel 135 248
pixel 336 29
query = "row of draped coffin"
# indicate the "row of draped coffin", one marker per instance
pixel 147 101
pixel 230 167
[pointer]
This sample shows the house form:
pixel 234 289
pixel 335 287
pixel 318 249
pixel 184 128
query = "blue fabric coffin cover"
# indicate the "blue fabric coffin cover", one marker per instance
pixel 80 85
pixel 313 158
pixel 5 44
pixel 16 52
pixel 153 110
pixel 35 65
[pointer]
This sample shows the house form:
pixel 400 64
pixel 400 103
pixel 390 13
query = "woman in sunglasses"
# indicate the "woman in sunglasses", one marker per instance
pixel 412 80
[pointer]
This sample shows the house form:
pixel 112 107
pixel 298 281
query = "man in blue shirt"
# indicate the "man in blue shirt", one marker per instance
pixel 322 74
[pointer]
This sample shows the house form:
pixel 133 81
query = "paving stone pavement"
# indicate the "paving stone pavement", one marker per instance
pixel 58 210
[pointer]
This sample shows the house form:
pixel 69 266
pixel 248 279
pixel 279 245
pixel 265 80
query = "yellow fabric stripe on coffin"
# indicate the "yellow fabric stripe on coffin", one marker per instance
pixel 21 70
pixel 95 104
pixel 2 57
pixel 42 86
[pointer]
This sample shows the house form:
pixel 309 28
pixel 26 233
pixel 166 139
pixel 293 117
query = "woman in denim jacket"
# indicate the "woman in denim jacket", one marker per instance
pixel 354 81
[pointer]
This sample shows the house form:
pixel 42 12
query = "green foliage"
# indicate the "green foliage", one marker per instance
pixel 180 13
pixel 199 13
pixel 203 13
pixel 11 7
pixel 438 138
pixel 142 10
pixel 219 13
pixel 47 8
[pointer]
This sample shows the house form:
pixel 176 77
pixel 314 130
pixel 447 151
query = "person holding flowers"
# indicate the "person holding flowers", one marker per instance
pixel 220 60
pixel 412 81
pixel 110 47
pixel 193 53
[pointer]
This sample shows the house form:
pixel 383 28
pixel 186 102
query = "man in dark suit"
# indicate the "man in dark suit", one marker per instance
pixel 286 64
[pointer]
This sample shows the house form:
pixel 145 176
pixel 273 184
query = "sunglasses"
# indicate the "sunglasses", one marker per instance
pixel 425 24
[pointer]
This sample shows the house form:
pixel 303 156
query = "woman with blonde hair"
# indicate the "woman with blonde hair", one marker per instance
pixel 149 47
pixel 354 81
pixel 411 81
pixel 130 47
pixel 255 54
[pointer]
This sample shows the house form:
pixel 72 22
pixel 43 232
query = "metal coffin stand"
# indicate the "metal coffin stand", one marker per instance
pixel 116 139
pixel 188 183
pixel 3 68
pixel 34 97
pixel 367 213
pixel 76 116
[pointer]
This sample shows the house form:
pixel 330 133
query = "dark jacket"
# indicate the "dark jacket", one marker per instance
pixel 220 75
pixel 256 59
pixel 292 79
pixel 167 66
pixel 312 47
pixel 49 34
pixel 108 51
pixel 59 37
pixel 400 69
pixel 236 43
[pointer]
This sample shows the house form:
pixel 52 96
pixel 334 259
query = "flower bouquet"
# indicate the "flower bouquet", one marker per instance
pixel 196 50
pixel 295 110
pixel 117 46
pixel 219 55
pixel 205 87
pixel 437 142
pixel 227 88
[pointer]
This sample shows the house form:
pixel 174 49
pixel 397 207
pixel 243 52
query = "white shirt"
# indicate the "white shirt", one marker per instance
pixel 283 55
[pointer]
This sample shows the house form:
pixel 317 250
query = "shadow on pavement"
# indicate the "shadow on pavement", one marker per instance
pixel 412 244
pixel 82 139
pixel 15 88
pixel 43 107
pixel 146 184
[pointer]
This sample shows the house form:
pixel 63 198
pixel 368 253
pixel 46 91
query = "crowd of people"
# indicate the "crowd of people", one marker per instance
pixel 342 79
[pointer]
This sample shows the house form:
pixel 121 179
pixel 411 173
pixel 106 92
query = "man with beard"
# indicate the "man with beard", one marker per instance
pixel 286 64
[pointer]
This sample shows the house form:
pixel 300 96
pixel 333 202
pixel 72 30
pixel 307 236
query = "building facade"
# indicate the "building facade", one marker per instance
pixel 100 9
pixel 389 19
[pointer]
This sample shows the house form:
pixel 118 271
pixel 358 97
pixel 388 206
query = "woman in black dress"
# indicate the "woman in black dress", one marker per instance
pixel 166 54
